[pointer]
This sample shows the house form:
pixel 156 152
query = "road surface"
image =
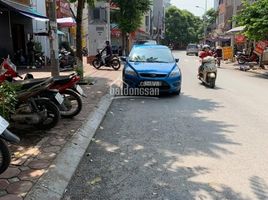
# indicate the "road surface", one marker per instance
pixel 204 144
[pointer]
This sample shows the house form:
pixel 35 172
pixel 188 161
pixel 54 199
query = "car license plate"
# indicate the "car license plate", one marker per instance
pixel 59 98
pixel 3 125
pixel 151 84
pixel 79 90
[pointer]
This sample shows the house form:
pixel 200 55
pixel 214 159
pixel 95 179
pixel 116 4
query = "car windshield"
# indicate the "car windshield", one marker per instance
pixel 152 55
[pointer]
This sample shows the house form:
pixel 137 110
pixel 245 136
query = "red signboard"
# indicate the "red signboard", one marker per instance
pixel 240 39
pixel 260 47
pixel 63 9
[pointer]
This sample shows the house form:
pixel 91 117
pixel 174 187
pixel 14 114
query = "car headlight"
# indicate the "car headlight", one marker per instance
pixel 130 71
pixel 175 72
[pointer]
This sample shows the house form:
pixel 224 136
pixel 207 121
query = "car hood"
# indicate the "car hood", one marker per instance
pixel 141 67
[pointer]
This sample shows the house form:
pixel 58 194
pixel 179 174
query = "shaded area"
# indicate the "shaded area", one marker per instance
pixel 259 187
pixel 139 149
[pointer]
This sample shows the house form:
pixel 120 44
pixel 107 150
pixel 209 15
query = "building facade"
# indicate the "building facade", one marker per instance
pixel 158 19
pixel 15 28
pixel 99 29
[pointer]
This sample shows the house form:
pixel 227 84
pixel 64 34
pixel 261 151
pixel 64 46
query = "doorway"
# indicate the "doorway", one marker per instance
pixel 18 38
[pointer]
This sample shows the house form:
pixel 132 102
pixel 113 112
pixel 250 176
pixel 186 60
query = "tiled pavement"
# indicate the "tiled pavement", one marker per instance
pixel 32 159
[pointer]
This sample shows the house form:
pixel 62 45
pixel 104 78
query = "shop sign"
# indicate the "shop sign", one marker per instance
pixel 260 47
pixel 240 39
pixel 227 53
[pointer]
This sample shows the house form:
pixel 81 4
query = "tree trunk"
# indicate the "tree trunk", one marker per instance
pixel 79 18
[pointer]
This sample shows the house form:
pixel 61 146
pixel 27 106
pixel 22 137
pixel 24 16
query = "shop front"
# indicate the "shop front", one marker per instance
pixel 16 26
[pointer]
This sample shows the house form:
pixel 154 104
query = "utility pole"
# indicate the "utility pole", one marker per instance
pixel 205 21
pixel 233 26
pixel 53 38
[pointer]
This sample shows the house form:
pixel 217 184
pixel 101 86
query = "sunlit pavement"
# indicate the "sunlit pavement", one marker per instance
pixel 204 144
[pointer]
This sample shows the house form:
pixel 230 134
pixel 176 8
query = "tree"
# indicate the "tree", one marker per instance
pixel 182 27
pixel 130 16
pixel 254 16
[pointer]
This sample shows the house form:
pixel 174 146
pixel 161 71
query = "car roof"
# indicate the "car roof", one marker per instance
pixel 148 46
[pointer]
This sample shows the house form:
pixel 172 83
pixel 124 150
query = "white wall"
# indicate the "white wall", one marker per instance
pixel 39 26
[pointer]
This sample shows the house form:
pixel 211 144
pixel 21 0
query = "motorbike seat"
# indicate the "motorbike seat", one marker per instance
pixel 27 84
pixel 62 79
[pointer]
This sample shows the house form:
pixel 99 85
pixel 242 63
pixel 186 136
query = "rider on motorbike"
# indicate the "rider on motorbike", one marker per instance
pixel 204 53
pixel 109 53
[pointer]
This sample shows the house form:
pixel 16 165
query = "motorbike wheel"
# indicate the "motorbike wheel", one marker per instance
pixel 72 102
pixel 212 83
pixel 115 64
pixel 53 114
pixel 5 157
pixel 241 61
pixel 96 63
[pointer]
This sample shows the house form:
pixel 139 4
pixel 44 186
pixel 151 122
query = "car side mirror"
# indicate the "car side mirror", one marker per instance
pixel 177 60
pixel 124 59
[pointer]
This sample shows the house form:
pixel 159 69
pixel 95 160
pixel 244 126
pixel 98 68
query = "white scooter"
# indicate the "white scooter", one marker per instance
pixel 5 135
pixel 208 72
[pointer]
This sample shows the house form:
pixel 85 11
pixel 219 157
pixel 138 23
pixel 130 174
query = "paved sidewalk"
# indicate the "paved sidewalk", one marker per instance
pixel 38 149
pixel 256 71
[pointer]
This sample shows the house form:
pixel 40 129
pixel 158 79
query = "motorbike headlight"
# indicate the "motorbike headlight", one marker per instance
pixel 175 72
pixel 130 71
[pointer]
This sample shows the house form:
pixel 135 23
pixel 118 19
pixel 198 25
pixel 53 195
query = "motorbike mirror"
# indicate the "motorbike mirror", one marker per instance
pixel 177 60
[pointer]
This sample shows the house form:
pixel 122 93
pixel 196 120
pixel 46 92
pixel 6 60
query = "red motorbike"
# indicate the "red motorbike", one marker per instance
pixel 66 85
pixel 243 58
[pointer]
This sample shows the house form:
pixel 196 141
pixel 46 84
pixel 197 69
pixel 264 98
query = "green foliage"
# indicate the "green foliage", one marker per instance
pixel 38 46
pixel 7 99
pixel 255 18
pixel 182 27
pixel 211 16
pixel 130 15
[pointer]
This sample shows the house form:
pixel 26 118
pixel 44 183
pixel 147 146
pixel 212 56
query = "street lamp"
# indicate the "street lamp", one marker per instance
pixel 204 19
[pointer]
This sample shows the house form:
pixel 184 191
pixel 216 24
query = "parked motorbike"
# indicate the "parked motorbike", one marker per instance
pixel 208 71
pixel 39 59
pixel 66 85
pixel 113 62
pixel 85 51
pixel 243 58
pixel 5 135
pixel 70 91
pixel 33 109
pixel 66 60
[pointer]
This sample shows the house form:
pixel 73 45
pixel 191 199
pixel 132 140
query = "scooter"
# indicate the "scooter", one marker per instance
pixel 5 135
pixel 208 71
pixel 66 85
pixel 99 61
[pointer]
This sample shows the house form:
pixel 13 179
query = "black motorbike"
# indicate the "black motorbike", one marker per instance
pixel 39 59
pixel 99 61
pixel 5 135
pixel 66 60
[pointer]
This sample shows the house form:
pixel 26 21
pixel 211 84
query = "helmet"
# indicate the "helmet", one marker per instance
pixel 206 47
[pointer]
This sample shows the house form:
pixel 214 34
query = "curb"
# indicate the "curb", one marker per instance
pixel 52 185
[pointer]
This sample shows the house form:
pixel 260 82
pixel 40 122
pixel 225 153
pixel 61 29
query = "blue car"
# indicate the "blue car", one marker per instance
pixel 152 66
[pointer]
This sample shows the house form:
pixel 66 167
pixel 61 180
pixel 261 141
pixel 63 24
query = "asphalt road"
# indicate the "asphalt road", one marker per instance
pixel 204 144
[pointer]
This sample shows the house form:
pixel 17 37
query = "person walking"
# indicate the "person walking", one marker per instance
pixel 31 49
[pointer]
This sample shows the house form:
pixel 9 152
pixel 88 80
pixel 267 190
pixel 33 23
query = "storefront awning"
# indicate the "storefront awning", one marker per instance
pixel 66 22
pixel 24 10
pixel 236 29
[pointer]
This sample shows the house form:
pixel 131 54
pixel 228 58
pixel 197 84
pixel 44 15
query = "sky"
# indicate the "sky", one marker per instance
pixel 190 5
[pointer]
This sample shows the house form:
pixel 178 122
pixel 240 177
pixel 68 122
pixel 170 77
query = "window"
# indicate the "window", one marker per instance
pixel 96 13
